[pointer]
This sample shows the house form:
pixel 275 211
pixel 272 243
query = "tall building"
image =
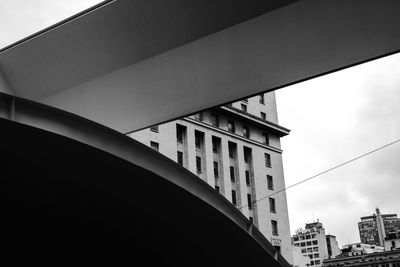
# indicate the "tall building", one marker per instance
pixel 313 243
pixel 373 229
pixel 235 149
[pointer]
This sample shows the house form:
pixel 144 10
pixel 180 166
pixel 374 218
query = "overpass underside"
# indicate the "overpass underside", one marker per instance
pixel 70 182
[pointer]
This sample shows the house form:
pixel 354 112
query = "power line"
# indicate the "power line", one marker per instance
pixel 323 172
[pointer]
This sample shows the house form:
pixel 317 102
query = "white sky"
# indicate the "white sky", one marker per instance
pixel 333 119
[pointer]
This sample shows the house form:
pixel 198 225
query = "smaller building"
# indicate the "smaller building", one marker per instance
pixel 313 243
pixel 392 241
pixel 360 249
pixel 376 259
pixel 299 259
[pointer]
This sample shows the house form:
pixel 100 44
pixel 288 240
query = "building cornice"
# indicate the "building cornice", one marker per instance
pixel 270 126
pixel 233 135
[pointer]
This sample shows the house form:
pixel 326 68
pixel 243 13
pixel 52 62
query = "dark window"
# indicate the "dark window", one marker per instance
pixel 247 174
pixel 267 160
pixel 232 172
pixel 315 242
pixel 231 126
pixel 215 120
pixel 198 164
pixel 180 133
pixel 272 206
pixel 246 132
pixel 233 197
pixel 244 107
pixel 179 156
pixel 249 202
pixel 246 154
pixel 265 139
pixel 217 188
pixel 263 115
pixel 232 150
pixel 198 116
pixel 262 100
pixel 216 171
pixel 274 226
pixel 278 249
pixel 251 219
pixel 154 128
pixel 296 238
pixel 215 144
pixel 270 182
pixel 154 145
pixel 198 139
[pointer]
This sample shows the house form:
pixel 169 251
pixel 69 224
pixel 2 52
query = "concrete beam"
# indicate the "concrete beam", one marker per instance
pixel 290 44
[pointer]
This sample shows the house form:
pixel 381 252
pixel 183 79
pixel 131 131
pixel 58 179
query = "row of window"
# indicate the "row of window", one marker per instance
pixel 231 126
pixel 308 243
pixel 304 237
pixel 309 250
pixel 317 262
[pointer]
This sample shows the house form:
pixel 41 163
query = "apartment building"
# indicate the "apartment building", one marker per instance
pixel 315 244
pixel 235 149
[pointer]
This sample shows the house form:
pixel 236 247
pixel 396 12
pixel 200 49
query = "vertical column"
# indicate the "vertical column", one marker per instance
pixel 226 188
pixel 191 149
pixel 208 160
pixel 241 181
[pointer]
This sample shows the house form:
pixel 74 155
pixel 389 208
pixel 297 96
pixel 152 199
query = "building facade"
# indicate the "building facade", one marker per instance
pixel 235 149
pixel 355 258
pixel 374 229
pixel 313 243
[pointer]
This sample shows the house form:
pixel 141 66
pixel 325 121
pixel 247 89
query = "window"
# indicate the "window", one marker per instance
pixel 247 174
pixel 267 160
pixel 316 255
pixel 249 202
pixel 312 262
pixel 270 182
pixel 272 207
pixel 246 154
pixel 309 243
pixel 313 235
pixel 231 126
pixel 244 107
pixel 274 227
pixel 308 237
pixel 198 139
pixel 265 137
pixel 315 249
pixel 216 171
pixel 315 242
pixel 179 156
pixel 232 172
pixel 251 219
pixel 154 145
pixel 317 262
pixel 198 164
pixel 302 237
pixel 154 128
pixel 310 255
pixel 262 100
pixel 303 244
pixel 215 144
pixel 215 120
pixel 263 115
pixel 278 248
pixel 246 132
pixel 198 116
pixel 232 150
pixel 296 238
pixel 233 197
pixel 303 250
pixel 180 133
pixel 217 188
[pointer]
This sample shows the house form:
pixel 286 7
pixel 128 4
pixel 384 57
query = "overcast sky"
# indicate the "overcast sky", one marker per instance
pixel 333 119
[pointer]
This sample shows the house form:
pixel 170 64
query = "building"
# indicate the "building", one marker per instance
pixel 332 246
pixel 360 249
pixel 355 258
pixel 373 229
pixel 299 259
pixel 392 241
pixel 236 150
pixel 313 243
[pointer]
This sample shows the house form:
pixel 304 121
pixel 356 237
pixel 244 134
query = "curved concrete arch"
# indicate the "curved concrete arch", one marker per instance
pixel 76 188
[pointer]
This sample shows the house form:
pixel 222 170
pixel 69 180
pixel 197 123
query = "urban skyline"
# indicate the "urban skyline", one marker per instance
pixel 368 78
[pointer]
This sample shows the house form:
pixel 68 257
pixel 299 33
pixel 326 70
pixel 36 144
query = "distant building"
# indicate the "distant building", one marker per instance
pixel 373 229
pixel 376 259
pixel 392 241
pixel 313 242
pixel 360 249
pixel 332 246
pixel 236 149
pixel 299 259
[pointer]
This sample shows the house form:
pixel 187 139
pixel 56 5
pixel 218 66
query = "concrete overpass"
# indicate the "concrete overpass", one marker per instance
pixel 127 65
